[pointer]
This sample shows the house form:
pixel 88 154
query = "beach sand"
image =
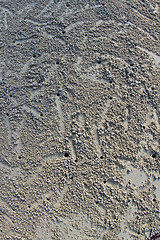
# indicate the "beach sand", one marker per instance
pixel 79 119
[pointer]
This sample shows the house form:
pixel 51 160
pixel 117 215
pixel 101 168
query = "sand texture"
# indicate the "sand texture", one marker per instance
pixel 79 119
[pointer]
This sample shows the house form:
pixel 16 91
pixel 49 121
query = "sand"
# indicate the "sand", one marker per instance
pixel 79 119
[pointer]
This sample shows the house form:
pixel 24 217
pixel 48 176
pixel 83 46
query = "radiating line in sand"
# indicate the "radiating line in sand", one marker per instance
pixel 60 113
pixel 154 56
pixel 9 130
pixel 95 134
pixel 31 110
pixel 73 151
pixel 96 140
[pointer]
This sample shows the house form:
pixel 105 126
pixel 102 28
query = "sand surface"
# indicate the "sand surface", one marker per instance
pixel 79 119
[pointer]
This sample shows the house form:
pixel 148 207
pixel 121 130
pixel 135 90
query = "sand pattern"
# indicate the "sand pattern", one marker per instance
pixel 79 119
